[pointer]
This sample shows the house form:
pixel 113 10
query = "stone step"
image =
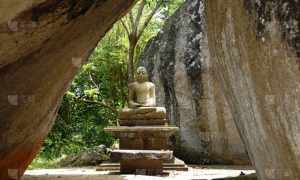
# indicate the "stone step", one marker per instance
pixel 148 162
pixel 142 129
pixel 116 167
pixel 142 122
pixel 177 165
pixel 121 154
pixel 164 168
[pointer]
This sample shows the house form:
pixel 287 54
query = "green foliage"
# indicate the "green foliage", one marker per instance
pixel 42 163
pixel 96 94
pixel 91 103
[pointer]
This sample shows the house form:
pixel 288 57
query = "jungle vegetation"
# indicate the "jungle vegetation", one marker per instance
pixel 100 88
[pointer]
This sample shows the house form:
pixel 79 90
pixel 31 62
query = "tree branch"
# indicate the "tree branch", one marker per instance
pixel 93 82
pixel 125 27
pixel 96 103
pixel 148 19
pixel 131 19
pixel 138 16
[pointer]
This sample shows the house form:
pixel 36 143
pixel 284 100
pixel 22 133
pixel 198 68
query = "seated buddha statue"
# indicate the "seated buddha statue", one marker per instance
pixel 141 92
pixel 141 99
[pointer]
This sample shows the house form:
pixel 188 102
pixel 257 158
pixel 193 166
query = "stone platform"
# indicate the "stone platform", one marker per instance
pixel 144 140
pixel 149 162
pixel 176 165
pixel 143 137
pixel 142 122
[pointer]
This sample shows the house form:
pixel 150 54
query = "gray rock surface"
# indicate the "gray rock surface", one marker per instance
pixel 179 64
pixel 43 44
pixel 255 47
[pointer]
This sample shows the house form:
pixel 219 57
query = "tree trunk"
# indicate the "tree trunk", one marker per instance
pixel 131 53
pixel 131 64
pixel 43 48
pixel 255 46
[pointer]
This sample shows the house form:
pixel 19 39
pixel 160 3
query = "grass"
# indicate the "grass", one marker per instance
pixel 41 163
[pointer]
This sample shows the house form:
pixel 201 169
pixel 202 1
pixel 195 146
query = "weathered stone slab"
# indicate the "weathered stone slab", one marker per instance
pixel 142 166
pixel 142 122
pixel 143 137
pixel 144 142
pixel 142 154
pixel 174 165
pixel 142 131
pixel 143 113
pixel 148 162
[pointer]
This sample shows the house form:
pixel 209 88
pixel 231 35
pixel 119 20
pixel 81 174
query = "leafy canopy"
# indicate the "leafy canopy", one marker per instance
pixel 100 88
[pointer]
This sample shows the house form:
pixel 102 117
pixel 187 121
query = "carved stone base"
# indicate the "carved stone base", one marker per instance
pixel 142 166
pixel 146 143
pixel 147 162
pixel 114 166
pixel 142 122
pixel 143 137
pixel 143 113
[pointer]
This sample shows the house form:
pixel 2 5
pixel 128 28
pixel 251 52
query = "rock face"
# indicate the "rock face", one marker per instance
pixel 255 47
pixel 89 157
pixel 42 46
pixel 179 63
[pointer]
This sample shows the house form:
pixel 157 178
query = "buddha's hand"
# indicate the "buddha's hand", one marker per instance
pixel 134 104
pixel 138 105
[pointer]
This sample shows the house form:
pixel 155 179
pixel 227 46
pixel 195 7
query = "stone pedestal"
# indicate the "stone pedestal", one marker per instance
pixel 146 116
pixel 146 162
pixel 143 137
pixel 142 166
pixel 142 122
pixel 144 141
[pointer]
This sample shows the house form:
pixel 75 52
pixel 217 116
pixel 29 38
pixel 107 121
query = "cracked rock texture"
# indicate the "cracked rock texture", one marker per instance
pixel 43 43
pixel 178 62
pixel 255 47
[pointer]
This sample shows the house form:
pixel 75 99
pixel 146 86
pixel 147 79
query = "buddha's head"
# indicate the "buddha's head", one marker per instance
pixel 141 74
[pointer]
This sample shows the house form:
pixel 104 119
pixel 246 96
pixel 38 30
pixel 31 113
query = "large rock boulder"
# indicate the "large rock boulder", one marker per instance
pixel 255 46
pixel 43 44
pixel 179 64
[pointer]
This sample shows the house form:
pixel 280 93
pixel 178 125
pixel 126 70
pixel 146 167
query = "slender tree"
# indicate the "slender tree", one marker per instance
pixel 135 24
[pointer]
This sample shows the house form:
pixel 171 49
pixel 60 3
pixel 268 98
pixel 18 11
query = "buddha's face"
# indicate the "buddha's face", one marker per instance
pixel 141 74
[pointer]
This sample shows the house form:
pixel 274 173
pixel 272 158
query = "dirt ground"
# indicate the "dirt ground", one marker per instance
pixel 89 173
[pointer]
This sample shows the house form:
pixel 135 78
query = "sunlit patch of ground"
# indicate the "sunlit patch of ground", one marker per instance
pixel 88 173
